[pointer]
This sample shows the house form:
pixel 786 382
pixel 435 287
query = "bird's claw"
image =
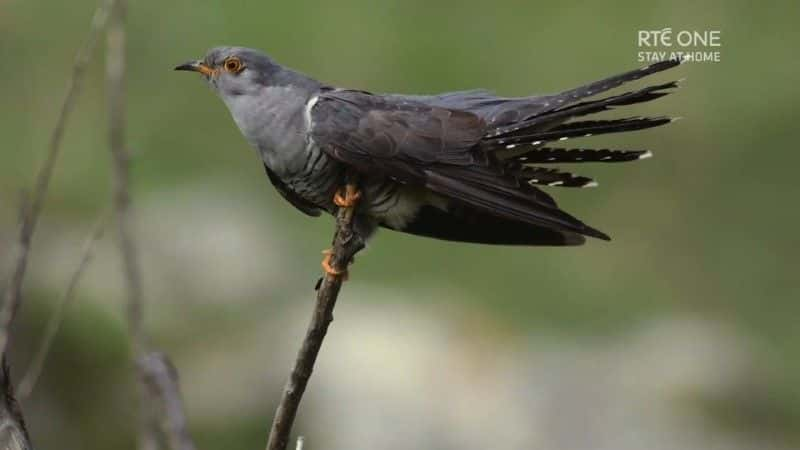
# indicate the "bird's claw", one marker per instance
pixel 348 198
pixel 329 269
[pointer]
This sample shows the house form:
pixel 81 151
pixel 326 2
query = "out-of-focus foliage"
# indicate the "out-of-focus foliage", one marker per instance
pixel 705 231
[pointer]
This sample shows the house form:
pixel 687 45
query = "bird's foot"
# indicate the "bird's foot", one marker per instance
pixel 329 269
pixel 347 196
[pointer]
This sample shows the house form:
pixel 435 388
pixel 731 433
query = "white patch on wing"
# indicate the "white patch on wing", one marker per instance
pixel 307 118
pixel 307 110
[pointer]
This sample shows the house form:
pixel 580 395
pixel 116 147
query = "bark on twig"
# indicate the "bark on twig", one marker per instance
pixel 35 369
pixel 13 294
pixel 345 245
pixel 162 381
pixel 13 434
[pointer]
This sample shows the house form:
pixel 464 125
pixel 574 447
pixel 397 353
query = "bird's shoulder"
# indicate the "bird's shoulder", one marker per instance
pixel 352 104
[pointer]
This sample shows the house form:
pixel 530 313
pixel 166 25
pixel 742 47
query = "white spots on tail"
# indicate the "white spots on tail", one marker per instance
pixel 571 182
pixel 645 155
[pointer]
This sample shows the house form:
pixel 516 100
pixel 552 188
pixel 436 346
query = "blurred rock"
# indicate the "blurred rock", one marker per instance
pixel 397 376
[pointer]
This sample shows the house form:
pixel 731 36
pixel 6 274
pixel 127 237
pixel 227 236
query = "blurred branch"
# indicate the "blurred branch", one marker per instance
pixel 345 245
pixel 116 57
pixel 13 434
pixel 35 369
pixel 32 209
pixel 115 67
pixel 162 380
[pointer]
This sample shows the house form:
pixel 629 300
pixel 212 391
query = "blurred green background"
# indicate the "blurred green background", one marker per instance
pixel 694 304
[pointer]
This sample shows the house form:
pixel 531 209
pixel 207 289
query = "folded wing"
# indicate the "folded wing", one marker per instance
pixel 434 147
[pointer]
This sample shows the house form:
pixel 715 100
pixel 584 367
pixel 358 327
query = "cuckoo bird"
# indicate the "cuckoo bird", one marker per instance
pixel 465 166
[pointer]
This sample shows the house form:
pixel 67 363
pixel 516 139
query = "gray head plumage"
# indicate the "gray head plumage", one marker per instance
pixel 236 71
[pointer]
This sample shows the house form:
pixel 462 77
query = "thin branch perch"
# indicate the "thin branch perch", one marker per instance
pixel 345 245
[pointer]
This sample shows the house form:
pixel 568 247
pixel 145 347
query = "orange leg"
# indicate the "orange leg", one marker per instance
pixel 347 199
pixel 326 265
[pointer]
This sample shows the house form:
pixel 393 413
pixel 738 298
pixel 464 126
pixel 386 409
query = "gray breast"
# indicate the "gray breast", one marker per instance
pixel 273 123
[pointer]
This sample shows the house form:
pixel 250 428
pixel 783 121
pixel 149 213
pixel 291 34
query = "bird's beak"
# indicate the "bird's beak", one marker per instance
pixel 197 66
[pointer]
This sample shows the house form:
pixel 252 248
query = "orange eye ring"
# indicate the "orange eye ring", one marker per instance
pixel 233 65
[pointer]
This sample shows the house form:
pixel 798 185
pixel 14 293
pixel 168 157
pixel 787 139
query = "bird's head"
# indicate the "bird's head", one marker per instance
pixel 235 71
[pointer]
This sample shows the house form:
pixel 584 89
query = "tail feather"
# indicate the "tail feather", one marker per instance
pixel 610 126
pixel 549 119
pixel 617 80
pixel 576 129
pixel 553 177
pixel 548 155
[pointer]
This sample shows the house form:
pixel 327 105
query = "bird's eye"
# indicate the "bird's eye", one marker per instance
pixel 233 65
